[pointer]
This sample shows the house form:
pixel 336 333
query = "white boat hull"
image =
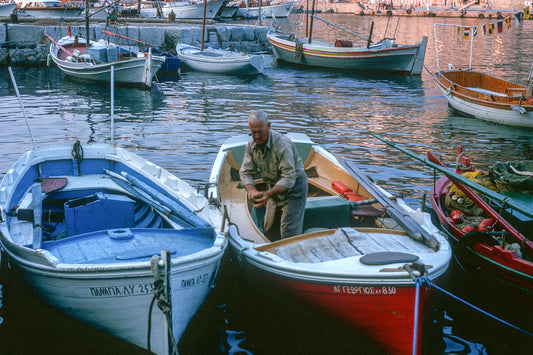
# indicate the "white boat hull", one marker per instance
pixel 384 57
pixel 191 11
pixel 491 113
pixel 111 292
pixel 219 61
pixel 7 9
pixel 135 71
pixel 275 11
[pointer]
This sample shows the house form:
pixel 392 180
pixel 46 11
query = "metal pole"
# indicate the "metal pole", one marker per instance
pixel 112 102
pixel 22 106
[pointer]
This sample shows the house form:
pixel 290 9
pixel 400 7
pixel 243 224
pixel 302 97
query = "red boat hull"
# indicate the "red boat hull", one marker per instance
pixel 383 314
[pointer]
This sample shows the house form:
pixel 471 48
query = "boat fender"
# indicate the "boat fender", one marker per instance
pixel 48 60
pixel 463 13
pixel 389 12
pixel 346 192
pixel 362 13
pixel 486 225
pixel 343 43
pixel 500 16
pixel 457 216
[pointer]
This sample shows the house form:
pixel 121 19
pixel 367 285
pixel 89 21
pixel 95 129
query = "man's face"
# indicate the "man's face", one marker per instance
pixel 259 131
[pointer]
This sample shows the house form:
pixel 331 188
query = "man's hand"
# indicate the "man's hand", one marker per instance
pixel 261 199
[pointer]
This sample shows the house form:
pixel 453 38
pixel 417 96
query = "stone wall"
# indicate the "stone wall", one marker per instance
pixel 26 44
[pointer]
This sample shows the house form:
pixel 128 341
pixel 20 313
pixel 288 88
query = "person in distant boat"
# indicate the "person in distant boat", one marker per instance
pixel 276 157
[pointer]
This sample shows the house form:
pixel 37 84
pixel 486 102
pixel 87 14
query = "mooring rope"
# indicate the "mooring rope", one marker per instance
pixel 425 280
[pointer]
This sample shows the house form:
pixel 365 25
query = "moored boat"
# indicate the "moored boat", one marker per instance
pixel 358 256
pixel 6 9
pixel 186 9
pixel 268 9
pixel 82 231
pixel 219 61
pixel 46 9
pixel 384 56
pixel 491 240
pixel 486 97
pixel 110 239
pixel 93 64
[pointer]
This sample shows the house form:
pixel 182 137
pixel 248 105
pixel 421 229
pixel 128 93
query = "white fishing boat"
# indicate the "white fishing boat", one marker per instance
pixel 268 9
pixel 359 254
pixel 94 64
pixel 185 9
pixel 220 61
pixel 46 9
pixel 111 239
pixel 6 9
pixel 483 96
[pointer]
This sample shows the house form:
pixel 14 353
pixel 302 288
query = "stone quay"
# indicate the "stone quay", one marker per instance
pixel 26 44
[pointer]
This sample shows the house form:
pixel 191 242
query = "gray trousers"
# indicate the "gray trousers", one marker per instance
pixel 284 217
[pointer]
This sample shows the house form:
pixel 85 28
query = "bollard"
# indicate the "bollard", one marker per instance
pixel 171 16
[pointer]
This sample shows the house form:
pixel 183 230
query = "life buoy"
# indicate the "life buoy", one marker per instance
pixel 481 16
pixel 389 12
pixel 408 11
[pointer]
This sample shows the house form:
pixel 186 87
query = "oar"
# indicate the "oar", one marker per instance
pixel 413 229
pixel 60 46
pixel 463 181
pixel 517 236
pixel 128 38
pixel 496 196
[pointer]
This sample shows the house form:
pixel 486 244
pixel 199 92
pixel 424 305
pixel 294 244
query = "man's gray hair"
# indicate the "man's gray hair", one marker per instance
pixel 258 115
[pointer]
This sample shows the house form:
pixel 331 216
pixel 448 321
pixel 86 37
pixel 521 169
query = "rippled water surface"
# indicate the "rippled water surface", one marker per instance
pixel 181 122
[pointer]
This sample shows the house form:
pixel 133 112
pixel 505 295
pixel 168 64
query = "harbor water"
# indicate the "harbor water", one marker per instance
pixel 180 124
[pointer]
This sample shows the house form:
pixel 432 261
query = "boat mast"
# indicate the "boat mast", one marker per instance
pixel 87 44
pixel 311 25
pixel 203 26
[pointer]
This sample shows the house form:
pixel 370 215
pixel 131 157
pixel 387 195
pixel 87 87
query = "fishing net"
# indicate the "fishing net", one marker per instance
pixel 517 176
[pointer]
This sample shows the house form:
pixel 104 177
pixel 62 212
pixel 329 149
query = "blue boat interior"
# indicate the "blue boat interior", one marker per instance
pixel 98 224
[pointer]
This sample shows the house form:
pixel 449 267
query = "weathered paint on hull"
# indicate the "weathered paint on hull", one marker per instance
pixel 399 60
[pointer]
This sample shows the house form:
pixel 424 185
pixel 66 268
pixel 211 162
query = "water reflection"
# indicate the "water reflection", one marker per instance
pixel 181 122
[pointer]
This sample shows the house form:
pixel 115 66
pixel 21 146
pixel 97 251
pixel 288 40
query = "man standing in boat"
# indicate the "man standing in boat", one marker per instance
pixel 276 157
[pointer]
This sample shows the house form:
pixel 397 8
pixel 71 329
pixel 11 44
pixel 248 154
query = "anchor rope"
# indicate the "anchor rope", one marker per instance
pixel 425 280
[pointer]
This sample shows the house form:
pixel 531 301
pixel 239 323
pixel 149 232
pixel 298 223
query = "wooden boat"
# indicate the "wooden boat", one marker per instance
pixel 486 97
pixel 6 9
pixel 268 9
pixel 384 56
pixel 71 55
pixel 493 243
pixel 84 226
pixel 357 256
pixel 186 9
pixel 219 61
pixel 46 9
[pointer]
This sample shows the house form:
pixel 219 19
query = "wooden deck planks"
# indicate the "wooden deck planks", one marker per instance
pixel 347 242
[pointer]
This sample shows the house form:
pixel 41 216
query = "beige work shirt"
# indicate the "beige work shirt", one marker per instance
pixel 279 163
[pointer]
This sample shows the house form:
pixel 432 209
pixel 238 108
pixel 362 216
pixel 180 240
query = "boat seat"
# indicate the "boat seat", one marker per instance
pixel 327 212
pixel 98 212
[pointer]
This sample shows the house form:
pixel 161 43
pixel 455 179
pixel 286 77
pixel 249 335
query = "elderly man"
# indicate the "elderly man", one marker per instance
pixel 282 170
